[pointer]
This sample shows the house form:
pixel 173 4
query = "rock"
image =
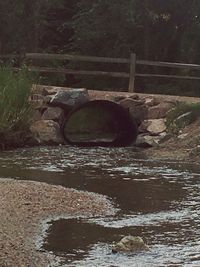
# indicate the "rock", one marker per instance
pixel 149 101
pixel 182 136
pixel 47 99
pixel 148 140
pixel 46 132
pixel 156 126
pixel 118 98
pixel 130 244
pixel 129 102
pixel 52 90
pixel 143 126
pixel 53 113
pixel 160 111
pixel 144 140
pixel 136 108
pixel 37 116
pixel 69 99
pixel 134 97
pixel 37 104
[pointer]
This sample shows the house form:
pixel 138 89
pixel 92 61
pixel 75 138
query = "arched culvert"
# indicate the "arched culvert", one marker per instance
pixel 99 123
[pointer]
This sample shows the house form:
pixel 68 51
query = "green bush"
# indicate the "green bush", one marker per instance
pixel 181 116
pixel 15 90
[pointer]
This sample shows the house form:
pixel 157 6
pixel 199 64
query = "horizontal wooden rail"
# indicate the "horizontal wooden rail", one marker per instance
pixel 76 58
pixel 102 59
pixel 167 76
pixel 109 60
pixel 79 72
pixel 104 73
pixel 9 56
pixel 132 62
pixel 168 64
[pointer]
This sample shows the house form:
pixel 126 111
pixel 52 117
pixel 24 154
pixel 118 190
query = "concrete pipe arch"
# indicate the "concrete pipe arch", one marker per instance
pixel 99 123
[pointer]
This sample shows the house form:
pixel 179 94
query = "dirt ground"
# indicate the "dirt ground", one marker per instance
pixel 23 207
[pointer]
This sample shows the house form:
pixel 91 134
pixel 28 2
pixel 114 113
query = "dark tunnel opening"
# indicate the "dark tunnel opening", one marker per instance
pixel 99 123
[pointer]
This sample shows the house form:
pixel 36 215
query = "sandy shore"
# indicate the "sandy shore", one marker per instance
pixel 25 204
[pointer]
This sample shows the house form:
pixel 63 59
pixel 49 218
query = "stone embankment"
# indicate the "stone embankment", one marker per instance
pixel 52 104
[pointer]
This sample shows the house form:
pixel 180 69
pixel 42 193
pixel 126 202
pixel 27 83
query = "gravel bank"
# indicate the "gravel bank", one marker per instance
pixel 25 204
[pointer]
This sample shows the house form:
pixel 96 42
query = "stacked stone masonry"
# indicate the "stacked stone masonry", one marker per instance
pixel 52 104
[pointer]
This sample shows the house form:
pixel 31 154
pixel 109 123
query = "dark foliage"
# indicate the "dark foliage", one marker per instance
pixel 153 29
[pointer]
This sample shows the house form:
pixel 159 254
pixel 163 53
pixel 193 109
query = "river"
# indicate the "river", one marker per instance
pixel 157 200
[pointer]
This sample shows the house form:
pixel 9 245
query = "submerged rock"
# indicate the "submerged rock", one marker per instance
pixel 130 244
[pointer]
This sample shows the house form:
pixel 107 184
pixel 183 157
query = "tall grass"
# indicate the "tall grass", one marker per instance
pixel 15 90
pixel 176 120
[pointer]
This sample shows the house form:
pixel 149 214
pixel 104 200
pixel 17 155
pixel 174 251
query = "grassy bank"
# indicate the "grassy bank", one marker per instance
pixel 183 115
pixel 15 109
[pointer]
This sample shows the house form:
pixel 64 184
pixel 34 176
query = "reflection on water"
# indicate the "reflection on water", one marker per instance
pixel 157 200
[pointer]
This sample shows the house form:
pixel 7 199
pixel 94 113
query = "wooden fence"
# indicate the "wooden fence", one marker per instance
pixel 132 62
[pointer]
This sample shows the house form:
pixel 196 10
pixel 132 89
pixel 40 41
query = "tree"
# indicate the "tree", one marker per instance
pixel 154 29
pixel 35 25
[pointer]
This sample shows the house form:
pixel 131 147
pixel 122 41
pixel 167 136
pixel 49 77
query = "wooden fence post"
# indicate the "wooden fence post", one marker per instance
pixel 132 73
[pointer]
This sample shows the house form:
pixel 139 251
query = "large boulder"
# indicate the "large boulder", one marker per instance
pixel 143 126
pixel 46 132
pixel 160 111
pixel 70 99
pixel 154 126
pixel 36 116
pixel 136 108
pixel 147 140
pixel 53 113
pixel 130 244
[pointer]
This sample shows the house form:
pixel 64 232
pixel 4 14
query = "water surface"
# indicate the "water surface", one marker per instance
pixel 156 200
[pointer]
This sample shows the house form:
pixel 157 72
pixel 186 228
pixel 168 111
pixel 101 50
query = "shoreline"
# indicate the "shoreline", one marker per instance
pixel 26 205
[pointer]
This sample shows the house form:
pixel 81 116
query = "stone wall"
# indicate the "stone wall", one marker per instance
pixel 52 104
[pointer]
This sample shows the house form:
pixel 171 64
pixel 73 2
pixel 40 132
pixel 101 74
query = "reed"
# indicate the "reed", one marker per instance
pixel 15 109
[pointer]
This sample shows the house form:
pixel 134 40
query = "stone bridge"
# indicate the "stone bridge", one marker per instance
pixel 85 117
